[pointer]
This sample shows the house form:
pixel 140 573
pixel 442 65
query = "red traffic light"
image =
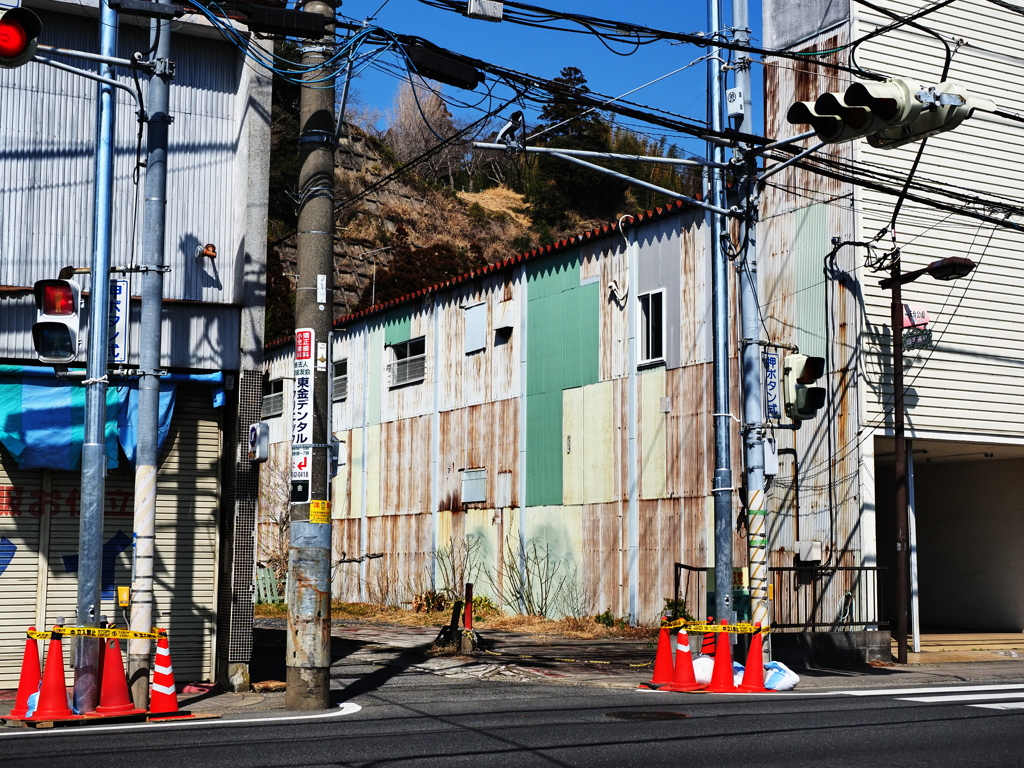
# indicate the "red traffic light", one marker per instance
pixel 14 40
pixel 58 299
pixel 19 30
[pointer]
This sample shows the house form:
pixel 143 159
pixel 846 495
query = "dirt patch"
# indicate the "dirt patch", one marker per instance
pixel 500 200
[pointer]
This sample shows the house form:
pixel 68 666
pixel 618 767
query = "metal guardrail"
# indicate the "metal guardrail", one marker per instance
pixel 805 598
pixel 809 597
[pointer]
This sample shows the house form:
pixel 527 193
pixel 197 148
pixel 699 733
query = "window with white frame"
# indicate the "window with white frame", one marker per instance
pixel 474 486
pixel 475 328
pixel 339 380
pixel 273 398
pixel 652 327
pixel 408 362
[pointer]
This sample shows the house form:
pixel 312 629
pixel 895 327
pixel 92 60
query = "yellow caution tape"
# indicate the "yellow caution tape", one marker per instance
pixel 120 634
pixel 700 626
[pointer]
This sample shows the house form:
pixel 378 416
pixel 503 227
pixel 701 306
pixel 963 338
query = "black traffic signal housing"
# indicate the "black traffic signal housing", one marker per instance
pixel 800 372
pixel 889 114
pixel 19 30
pixel 55 332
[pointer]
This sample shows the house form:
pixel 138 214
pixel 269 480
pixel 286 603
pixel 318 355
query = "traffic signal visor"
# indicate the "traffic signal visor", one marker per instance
pixel 19 28
pixel 55 332
pixel 799 374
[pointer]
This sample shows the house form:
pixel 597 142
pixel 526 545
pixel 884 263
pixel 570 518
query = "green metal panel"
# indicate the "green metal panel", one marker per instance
pixel 544 448
pixel 375 372
pixel 563 329
pixel 398 325
pixel 811 243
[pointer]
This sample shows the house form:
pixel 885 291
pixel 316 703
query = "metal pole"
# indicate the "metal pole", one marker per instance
pixel 902 538
pixel 753 418
pixel 146 452
pixel 309 549
pixel 94 453
pixel 722 483
pixel 915 606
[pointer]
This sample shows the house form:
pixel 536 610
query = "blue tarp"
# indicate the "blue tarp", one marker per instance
pixel 42 417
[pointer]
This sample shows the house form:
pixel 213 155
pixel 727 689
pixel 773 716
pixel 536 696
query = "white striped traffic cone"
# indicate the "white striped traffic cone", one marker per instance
pixel 163 698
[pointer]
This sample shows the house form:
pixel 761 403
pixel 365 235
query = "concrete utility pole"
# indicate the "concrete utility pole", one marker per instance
pixel 309 549
pixel 722 482
pixel 753 371
pixel 94 448
pixel 146 451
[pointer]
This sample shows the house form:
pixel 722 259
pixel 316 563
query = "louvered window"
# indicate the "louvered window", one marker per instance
pixel 273 398
pixel 339 383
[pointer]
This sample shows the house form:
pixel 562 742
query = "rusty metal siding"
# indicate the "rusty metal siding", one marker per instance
pixel 492 373
pixel 482 436
pixel 817 492
pixel 405 466
pixel 603 551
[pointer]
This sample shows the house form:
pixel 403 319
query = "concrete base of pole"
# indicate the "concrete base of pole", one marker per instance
pixel 235 677
pixel 308 688
pixel 138 679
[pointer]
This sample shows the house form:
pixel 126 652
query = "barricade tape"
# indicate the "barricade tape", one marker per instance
pixel 120 634
pixel 700 626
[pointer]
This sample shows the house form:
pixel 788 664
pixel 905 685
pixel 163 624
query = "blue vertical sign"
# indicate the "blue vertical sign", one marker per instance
pixel 772 386
pixel 117 336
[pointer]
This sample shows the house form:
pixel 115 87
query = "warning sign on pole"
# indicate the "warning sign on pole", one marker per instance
pixel 302 415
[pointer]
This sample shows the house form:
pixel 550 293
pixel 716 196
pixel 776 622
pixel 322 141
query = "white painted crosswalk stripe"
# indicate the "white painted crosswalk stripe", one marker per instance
pixel 935 689
pixel 962 697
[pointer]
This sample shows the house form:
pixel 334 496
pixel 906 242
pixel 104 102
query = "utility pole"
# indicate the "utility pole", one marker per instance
pixel 722 482
pixel 753 414
pixel 309 549
pixel 146 452
pixel 94 449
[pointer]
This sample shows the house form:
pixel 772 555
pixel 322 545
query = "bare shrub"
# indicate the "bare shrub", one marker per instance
pixel 456 564
pixel 274 514
pixel 532 581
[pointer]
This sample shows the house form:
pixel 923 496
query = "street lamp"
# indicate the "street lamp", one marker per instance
pixel 949 268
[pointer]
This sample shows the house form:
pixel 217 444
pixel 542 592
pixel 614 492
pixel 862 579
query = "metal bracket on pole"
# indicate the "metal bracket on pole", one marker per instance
pixel 164 68
pixel 141 268
pixel 318 137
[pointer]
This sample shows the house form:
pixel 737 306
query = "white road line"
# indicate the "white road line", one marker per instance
pixel 1004 705
pixel 933 689
pixel 343 709
pixel 964 697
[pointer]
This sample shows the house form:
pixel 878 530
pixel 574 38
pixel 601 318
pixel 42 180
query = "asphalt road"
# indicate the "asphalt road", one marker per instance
pixel 436 722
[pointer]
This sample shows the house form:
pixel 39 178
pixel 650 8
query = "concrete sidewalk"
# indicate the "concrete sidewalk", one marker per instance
pixel 367 657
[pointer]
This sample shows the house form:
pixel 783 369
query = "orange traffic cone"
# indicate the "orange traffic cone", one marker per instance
pixel 707 648
pixel 662 662
pixel 721 675
pixel 684 679
pixel 753 673
pixel 163 698
pixel 114 699
pixel 53 693
pixel 28 683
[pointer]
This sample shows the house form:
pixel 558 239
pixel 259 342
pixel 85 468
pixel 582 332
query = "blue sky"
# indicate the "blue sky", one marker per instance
pixel 544 53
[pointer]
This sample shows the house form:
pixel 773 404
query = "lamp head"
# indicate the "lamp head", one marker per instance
pixel 950 268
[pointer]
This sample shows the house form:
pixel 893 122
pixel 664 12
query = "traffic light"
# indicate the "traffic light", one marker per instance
pixel 889 113
pixel 55 332
pixel 19 28
pixel 802 400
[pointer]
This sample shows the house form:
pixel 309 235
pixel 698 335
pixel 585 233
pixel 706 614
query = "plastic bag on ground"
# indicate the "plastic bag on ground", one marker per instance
pixel 737 673
pixel 703 666
pixel 779 677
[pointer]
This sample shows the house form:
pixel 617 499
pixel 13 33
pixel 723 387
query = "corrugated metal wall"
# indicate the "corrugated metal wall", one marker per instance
pixel 403 480
pixel 816 495
pixel 39 518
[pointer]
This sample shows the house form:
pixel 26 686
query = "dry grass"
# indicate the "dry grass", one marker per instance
pixel 500 200
pixel 578 629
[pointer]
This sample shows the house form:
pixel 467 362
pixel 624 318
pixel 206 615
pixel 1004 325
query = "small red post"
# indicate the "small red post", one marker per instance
pixel 468 619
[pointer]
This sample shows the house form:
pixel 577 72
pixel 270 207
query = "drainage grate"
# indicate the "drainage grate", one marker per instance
pixel 646 715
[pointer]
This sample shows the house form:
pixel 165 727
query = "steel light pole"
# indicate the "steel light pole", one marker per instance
pixel 944 269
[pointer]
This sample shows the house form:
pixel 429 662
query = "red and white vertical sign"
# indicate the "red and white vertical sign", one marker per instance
pixel 302 415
